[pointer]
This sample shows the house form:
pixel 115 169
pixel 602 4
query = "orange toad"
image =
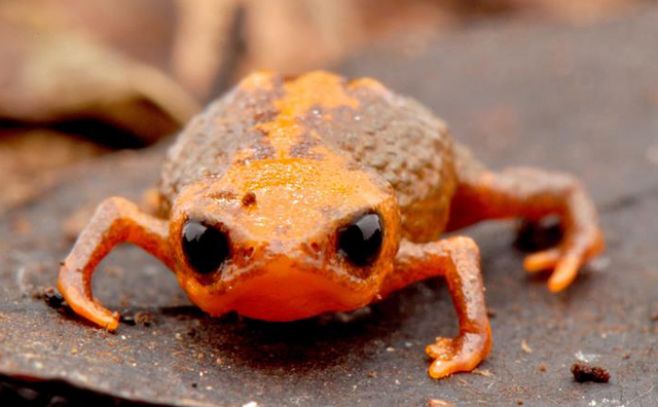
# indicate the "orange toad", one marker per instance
pixel 294 196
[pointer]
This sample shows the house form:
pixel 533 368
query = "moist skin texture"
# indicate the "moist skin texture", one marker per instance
pixel 394 139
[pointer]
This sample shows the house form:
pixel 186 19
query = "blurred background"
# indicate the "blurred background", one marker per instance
pixel 83 78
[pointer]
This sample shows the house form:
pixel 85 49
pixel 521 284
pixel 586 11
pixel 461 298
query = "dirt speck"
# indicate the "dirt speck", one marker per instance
pixel 143 318
pixel 587 373
pixel 526 348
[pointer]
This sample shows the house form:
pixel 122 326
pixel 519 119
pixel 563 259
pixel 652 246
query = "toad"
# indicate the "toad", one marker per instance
pixel 291 197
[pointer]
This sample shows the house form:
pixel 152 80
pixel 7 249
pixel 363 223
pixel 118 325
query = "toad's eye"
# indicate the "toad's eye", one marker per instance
pixel 361 241
pixel 205 248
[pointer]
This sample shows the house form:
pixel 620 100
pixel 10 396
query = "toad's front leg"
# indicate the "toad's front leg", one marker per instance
pixel 457 259
pixel 116 221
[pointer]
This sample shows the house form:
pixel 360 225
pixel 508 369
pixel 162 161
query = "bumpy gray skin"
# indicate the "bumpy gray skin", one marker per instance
pixel 387 134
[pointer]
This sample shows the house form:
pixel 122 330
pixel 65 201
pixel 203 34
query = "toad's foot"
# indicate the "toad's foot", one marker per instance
pixel 566 259
pixel 461 354
pixel 458 260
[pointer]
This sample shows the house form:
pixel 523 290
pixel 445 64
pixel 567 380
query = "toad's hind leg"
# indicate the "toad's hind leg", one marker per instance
pixel 458 260
pixel 116 221
pixel 530 194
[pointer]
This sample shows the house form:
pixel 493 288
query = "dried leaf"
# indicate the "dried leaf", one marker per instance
pixel 50 76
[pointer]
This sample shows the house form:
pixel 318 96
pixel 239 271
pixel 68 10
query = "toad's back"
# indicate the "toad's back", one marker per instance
pixel 271 117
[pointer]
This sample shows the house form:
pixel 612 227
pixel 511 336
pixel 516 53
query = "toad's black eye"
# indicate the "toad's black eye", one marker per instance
pixel 206 248
pixel 361 241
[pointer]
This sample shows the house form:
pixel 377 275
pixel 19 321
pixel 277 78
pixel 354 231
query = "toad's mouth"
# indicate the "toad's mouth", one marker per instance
pixel 282 292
